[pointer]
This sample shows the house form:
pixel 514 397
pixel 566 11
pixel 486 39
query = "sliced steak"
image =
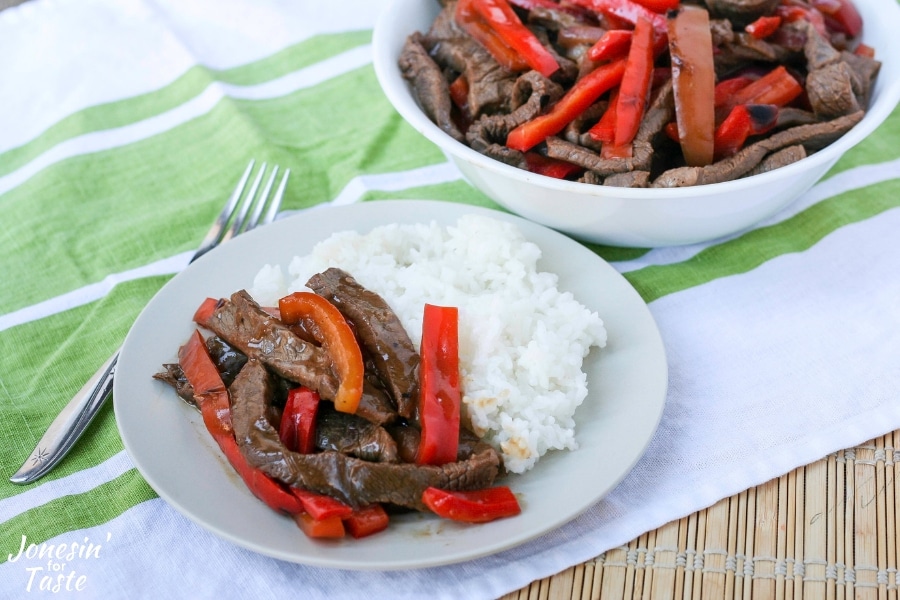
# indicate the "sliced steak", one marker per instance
pixel 375 405
pixel 428 84
pixel 864 71
pixel 380 332
pixel 779 159
pixel 173 375
pixel 830 90
pixel 242 323
pixel 555 147
pixel 741 12
pixel 354 436
pixel 352 480
pixel 530 94
pixel 811 137
pixel 632 179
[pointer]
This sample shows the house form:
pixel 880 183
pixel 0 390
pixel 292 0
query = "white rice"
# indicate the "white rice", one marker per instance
pixel 522 341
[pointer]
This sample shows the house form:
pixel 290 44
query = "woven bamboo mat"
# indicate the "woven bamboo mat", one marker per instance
pixel 829 530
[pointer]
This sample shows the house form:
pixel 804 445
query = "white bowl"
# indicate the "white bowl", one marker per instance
pixel 626 216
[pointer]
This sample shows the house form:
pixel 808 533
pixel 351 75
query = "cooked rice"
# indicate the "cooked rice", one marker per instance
pixel 522 341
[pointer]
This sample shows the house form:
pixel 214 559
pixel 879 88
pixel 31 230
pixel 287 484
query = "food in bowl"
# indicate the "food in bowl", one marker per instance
pixel 520 345
pixel 619 94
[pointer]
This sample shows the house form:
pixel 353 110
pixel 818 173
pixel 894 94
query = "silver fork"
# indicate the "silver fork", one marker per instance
pixel 236 218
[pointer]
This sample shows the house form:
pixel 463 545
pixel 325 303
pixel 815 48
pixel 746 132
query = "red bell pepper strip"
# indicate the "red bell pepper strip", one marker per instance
pixel 693 83
pixel 550 167
pixel 205 310
pixel 745 120
pixel 366 521
pixel 726 88
pixel 794 12
pixel 628 11
pixel 499 15
pixel 459 92
pixel 320 506
pixel 330 528
pixel 671 131
pixel 474 25
pixel 848 18
pixel 272 493
pixel 635 87
pixel 604 130
pixel 439 395
pixel 613 45
pixel 659 6
pixel 476 506
pixel 579 97
pixel 215 407
pixel 338 340
pixel 776 87
pixel 613 151
pixel 865 50
pixel 764 26
pixel 298 421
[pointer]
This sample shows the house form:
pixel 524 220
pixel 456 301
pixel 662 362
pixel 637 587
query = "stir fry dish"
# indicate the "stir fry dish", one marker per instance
pixel 329 414
pixel 643 93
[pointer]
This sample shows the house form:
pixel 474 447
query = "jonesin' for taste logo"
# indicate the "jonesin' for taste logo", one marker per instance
pixel 54 567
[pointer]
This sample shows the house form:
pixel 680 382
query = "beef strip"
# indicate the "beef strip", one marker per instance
pixel 789 116
pixel 531 92
pixel 778 159
pixel 830 90
pixel 242 323
pixel 375 405
pixel 558 148
pixel 352 480
pixel 632 179
pixel 576 131
pixel 591 178
pixel 721 31
pixel 173 375
pixel 812 137
pixel 429 85
pixel 741 12
pixel 354 436
pixel 380 332
pixel 863 71
pixel 817 50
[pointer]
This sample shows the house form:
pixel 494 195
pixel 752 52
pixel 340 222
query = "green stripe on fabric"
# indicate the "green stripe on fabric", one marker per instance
pixel 751 250
pixel 294 57
pixel 61 353
pixel 69 513
pixel 119 113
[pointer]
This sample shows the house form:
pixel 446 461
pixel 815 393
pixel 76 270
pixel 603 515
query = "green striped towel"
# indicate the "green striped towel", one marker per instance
pixel 123 124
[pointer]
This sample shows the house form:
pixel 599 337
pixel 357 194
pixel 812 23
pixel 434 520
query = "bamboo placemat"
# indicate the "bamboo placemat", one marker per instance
pixel 828 530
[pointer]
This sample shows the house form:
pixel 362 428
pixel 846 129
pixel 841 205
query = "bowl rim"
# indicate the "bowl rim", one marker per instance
pixel 885 98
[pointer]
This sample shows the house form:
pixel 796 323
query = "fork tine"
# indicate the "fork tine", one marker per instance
pixel 236 210
pixel 238 222
pixel 215 232
pixel 276 201
pixel 260 203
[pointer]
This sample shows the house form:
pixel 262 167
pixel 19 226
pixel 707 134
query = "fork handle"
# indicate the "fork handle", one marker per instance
pixel 68 426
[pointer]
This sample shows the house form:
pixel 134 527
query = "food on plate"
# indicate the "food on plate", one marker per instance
pixel 643 93
pixel 448 361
